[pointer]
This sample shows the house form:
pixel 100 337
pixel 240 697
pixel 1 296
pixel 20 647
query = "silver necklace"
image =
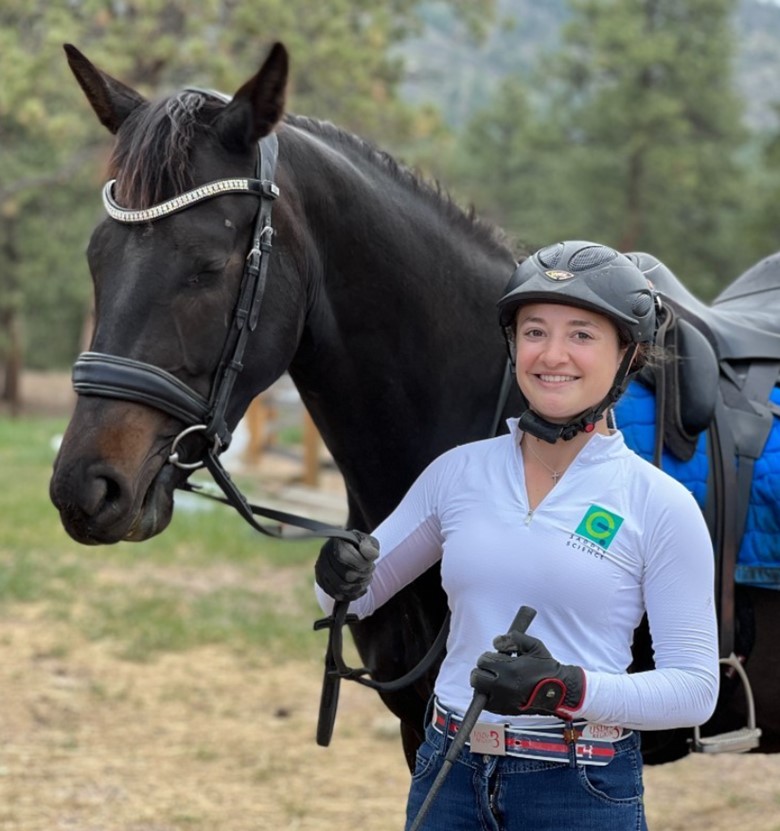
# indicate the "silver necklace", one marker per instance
pixel 556 474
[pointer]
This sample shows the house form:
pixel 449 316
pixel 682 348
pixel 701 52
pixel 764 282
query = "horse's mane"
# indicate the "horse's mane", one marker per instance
pixel 150 160
pixel 430 190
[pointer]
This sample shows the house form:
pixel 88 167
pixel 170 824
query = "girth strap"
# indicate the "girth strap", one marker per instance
pixel 738 434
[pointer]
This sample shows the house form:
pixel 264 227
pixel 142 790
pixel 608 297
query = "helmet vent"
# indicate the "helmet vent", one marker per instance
pixel 643 304
pixel 550 257
pixel 591 257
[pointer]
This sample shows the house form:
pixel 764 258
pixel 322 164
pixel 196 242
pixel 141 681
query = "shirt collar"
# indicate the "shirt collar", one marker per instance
pixel 600 448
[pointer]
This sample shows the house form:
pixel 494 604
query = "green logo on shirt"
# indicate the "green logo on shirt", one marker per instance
pixel 599 525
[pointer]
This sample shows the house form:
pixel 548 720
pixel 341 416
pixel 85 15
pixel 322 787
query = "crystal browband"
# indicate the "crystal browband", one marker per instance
pixel 257 187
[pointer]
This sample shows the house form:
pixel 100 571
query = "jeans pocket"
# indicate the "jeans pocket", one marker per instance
pixel 618 783
pixel 425 761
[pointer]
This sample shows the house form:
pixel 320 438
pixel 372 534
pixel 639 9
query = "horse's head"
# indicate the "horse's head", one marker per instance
pixel 167 280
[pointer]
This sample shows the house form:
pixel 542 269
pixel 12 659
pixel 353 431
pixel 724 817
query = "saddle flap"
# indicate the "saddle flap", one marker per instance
pixel 698 372
pixel 686 384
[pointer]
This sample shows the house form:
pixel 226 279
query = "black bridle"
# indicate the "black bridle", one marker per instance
pixel 112 376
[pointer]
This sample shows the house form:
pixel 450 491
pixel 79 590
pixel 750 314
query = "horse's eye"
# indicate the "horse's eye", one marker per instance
pixel 202 277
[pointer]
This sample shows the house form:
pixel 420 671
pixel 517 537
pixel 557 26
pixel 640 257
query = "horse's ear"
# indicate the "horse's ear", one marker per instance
pixel 111 100
pixel 258 105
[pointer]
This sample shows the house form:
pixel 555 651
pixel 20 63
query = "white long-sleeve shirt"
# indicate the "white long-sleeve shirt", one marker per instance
pixel 614 538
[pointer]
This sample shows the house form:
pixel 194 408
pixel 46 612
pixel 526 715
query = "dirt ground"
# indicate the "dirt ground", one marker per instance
pixel 205 740
pixel 211 739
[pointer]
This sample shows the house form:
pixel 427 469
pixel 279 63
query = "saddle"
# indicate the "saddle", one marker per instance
pixel 731 347
pixel 723 364
pixel 743 322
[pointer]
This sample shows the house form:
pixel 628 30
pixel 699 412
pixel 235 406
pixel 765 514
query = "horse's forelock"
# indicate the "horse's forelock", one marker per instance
pixel 151 158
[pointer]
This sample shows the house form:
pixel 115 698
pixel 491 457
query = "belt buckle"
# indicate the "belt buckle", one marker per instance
pixel 488 738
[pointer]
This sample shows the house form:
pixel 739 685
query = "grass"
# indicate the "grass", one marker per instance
pixel 208 579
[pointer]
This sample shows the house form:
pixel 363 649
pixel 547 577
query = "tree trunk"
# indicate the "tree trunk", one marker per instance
pixel 633 221
pixel 12 382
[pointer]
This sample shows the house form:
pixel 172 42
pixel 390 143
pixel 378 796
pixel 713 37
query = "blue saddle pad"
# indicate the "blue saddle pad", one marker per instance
pixel 758 561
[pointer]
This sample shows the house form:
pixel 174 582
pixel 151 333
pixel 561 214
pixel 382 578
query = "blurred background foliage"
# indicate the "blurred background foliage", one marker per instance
pixel 646 124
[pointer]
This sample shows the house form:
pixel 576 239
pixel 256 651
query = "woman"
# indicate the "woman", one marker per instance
pixel 561 516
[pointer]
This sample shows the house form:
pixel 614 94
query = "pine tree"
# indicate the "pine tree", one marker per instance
pixel 629 134
pixel 648 106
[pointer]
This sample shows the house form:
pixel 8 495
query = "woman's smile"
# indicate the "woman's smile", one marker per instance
pixel 556 379
pixel 567 358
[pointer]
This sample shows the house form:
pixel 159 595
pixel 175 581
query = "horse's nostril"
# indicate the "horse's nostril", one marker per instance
pixel 100 494
pixel 113 492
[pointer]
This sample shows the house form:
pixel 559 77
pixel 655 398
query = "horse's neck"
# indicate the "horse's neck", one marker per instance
pixel 401 356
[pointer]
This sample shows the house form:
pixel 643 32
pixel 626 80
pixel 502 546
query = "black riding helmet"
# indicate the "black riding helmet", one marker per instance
pixel 590 276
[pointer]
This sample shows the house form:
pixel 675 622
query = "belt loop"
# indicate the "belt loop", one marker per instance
pixel 570 736
pixel 449 727
pixel 430 712
pixel 448 720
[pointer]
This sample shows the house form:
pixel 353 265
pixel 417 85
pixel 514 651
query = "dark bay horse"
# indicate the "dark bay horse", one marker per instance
pixel 379 300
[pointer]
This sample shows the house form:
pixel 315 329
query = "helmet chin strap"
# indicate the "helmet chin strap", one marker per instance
pixel 585 422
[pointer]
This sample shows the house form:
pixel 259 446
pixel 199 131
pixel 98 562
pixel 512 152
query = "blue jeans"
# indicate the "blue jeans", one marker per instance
pixel 506 793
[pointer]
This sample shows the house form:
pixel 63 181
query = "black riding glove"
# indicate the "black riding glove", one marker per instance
pixel 529 682
pixel 343 570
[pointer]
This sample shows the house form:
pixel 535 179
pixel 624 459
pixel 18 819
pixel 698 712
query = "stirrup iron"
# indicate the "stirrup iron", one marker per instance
pixel 736 741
